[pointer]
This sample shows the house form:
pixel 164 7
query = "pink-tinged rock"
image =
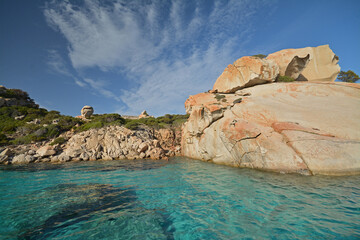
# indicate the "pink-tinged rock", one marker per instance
pixel 304 127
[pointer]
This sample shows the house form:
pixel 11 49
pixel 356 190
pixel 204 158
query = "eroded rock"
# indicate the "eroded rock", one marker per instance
pixel 87 112
pixel 246 72
pixel 304 127
pixel 322 65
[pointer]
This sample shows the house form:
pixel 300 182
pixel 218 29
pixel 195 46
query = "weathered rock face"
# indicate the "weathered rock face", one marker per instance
pixel 303 64
pixel 87 111
pixel 322 63
pixel 303 127
pixel 246 72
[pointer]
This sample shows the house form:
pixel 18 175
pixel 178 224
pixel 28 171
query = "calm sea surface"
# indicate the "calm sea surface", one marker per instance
pixel 179 199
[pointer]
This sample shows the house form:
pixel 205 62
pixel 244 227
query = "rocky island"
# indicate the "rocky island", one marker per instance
pixel 282 112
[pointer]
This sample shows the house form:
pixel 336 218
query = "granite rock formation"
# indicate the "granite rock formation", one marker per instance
pixel 87 112
pixel 322 64
pixel 303 127
pixel 309 127
pixel 107 143
pixel 304 64
pixel 246 72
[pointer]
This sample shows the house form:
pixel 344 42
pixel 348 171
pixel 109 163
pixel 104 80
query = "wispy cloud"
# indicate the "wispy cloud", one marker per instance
pixel 57 63
pixel 169 50
pixel 99 86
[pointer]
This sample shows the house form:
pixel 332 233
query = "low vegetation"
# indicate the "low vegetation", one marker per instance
pixel 59 140
pixel 21 124
pixel 29 123
pixel 38 124
pixel 348 76
pixel 219 96
pixel 166 121
pixel 285 79
pixel 101 120
pixel 259 56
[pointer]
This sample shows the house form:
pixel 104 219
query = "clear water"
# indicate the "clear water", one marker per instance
pixel 179 199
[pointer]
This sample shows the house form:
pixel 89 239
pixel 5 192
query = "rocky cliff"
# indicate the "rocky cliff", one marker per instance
pixel 309 127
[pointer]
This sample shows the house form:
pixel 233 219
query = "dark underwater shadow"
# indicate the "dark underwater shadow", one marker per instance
pixel 83 202
pixel 104 166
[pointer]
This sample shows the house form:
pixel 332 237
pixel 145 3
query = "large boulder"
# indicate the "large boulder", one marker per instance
pixel 303 64
pixel 46 151
pixel 144 114
pixel 304 127
pixel 23 159
pixel 322 63
pixel 246 72
pixel 87 111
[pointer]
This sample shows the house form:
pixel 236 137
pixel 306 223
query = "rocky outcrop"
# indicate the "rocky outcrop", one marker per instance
pixel 108 143
pixel 246 72
pixel 303 64
pixel 87 112
pixel 144 114
pixel 15 97
pixel 304 127
pixel 322 63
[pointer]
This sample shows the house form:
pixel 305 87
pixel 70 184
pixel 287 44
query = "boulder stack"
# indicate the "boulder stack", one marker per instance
pixel 304 64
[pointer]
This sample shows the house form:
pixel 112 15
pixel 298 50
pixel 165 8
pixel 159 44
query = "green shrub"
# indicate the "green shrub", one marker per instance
pixel 219 96
pixel 259 56
pixel 3 139
pixel 285 79
pixel 167 121
pixel 59 140
pixel 132 125
pixel 237 100
pixel 90 125
pixel 15 93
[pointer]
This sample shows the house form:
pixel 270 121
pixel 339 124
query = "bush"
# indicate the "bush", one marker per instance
pixel 219 97
pixel 23 132
pixel 15 93
pixel 90 125
pixel 259 56
pixel 348 76
pixel 132 125
pixel 59 140
pixel 166 121
pixel 284 79
pixel 3 139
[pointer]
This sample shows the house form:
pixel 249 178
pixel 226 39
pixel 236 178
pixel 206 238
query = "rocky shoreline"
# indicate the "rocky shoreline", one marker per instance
pixel 108 143
pixel 281 112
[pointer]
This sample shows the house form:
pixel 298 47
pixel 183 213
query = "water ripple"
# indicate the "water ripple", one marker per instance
pixel 179 199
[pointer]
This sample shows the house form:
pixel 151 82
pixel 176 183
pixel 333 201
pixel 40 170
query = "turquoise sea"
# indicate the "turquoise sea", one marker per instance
pixel 179 199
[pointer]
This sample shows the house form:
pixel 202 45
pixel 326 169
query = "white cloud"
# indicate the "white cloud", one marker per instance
pixel 57 63
pixel 99 86
pixel 170 49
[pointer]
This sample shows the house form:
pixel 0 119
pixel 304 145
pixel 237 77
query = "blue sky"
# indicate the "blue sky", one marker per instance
pixel 127 56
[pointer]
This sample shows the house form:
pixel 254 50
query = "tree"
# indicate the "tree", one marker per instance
pixel 348 76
